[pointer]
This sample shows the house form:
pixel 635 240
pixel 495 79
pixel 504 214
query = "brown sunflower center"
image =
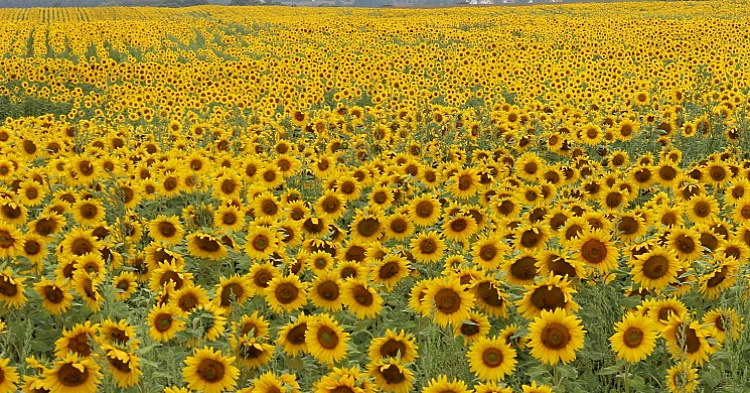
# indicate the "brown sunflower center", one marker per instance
pixel 162 322
pixel 80 344
pixel 424 209
pixel 688 338
pixel 89 211
pixel 427 246
pixel 667 173
pixel 492 357
pixel 118 364
pixel 296 334
pixel 327 338
pixel 524 268
pixel 7 288
pixel 548 297
pixel 555 336
pixel 391 348
pixel 52 293
pixel 628 225
pixel 389 269
pixel 633 337
pixel 362 296
pixel 260 242
pixel 230 291
pixel 459 224
pixel 368 227
pixel 469 329
pixel 210 370
pixel 488 252
pixel 167 229
pixel 328 290
pixel 207 244
pixel 70 375
pixel 392 374
pixel 79 247
pixel 685 244
pixel 465 182
pixel 718 277
pixel 399 226
pixel 594 251
pixel 489 294
pixel 286 293
pixel 531 238
pixel 702 209
pixel 655 267
pixel 447 301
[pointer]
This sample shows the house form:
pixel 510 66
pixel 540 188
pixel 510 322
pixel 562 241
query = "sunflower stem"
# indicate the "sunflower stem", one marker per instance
pixel 627 377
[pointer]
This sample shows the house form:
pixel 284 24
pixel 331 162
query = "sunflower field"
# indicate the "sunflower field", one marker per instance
pixel 333 200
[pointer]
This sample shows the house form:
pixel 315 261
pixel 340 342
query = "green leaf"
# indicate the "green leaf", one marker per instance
pixel 609 370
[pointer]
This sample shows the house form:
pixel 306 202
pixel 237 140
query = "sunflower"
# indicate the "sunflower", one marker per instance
pixel 491 387
pixel 724 323
pixel 267 207
pixel 555 336
pixel 630 226
pixel 381 196
pixel 449 302
pixel 491 359
pixel 459 228
pixel 164 321
pixel 686 243
pixel 270 383
pixel 251 351
pixel 56 298
pixel 125 285
pixel 367 226
pixel 687 339
pixel 261 242
pixel 88 212
pixel 119 334
pixel 254 325
pixel 682 378
pixel 344 380
pixel 232 290
pixel 428 247
pixel 424 211
pixel 721 277
pixel 11 240
pixel 548 294
pixel 72 374
pixel 260 275
pixel 554 262
pixel 521 269
pixel 702 209
pixel 78 241
pixel 595 249
pixel 660 311
pixel 442 385
pixel 31 193
pixel 473 328
pixel 286 294
pixel 203 245
pixel 209 371
pixel 489 298
pixel 291 337
pixel 12 289
pixel 8 377
pixel 655 269
pixel 389 270
pixel 529 166
pixel 634 339
pixel 123 365
pixel 400 346
pixel 360 299
pixel 210 319
pixel 326 340
pixel 464 184
pixel 398 226
pixel 330 205
pixel 12 213
pixel 169 272
pixel 534 388
pixel 229 217
pixel 391 376
pixel 47 224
